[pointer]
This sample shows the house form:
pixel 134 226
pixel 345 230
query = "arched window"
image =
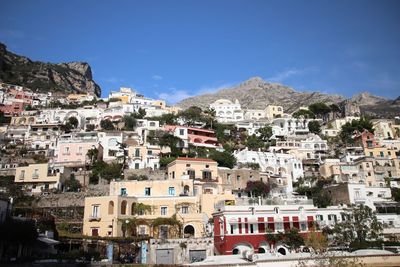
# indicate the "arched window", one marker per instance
pixel 111 208
pixel 123 207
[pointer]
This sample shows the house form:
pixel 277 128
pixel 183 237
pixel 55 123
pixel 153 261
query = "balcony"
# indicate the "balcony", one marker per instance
pixel 94 218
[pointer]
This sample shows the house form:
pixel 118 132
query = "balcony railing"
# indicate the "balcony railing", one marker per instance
pixel 94 218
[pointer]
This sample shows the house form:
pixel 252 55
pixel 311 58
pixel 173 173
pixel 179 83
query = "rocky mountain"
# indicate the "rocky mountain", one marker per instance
pixel 71 77
pixel 256 93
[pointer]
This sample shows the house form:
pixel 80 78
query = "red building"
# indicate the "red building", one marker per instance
pixel 12 109
pixel 193 136
pixel 366 139
pixel 240 228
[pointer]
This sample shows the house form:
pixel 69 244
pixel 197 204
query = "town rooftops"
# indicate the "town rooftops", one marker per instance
pixel 195 159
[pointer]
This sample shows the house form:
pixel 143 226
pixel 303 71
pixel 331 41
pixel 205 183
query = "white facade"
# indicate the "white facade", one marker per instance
pixel 275 164
pixel 290 126
pixel 226 111
pixel 110 143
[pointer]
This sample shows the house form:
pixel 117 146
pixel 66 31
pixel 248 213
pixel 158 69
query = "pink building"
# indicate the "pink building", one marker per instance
pixel 366 139
pixel 193 136
pixel 13 109
pixel 73 147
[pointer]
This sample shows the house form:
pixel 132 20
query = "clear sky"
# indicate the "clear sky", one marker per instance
pixel 175 49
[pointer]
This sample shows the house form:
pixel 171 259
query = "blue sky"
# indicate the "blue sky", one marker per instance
pixel 175 49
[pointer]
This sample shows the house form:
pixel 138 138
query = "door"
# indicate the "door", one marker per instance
pixel 197 255
pixel 165 256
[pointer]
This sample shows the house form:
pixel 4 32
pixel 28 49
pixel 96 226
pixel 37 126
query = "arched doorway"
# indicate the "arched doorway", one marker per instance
pixel 188 231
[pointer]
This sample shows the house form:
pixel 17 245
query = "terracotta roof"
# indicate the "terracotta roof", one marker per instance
pixel 195 159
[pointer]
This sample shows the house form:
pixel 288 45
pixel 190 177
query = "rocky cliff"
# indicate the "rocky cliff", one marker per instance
pixel 72 77
pixel 256 93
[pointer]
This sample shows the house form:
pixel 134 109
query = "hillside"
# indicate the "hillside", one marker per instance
pixel 256 93
pixel 72 77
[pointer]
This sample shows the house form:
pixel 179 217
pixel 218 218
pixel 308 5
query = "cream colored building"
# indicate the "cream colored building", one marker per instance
pixel 273 111
pixel 143 156
pixel 190 200
pixel 36 178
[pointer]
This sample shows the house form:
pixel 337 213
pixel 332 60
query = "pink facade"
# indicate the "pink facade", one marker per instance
pixel 14 109
pixel 74 152
pixel 366 139
pixel 27 97
pixel 192 135
pixel 202 136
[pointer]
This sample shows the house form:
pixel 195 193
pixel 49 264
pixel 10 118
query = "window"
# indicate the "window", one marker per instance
pixel 276 210
pixel 181 131
pixel 35 174
pixel 137 152
pixel 171 191
pixel 173 175
pixel 207 175
pixel 137 166
pixel 207 166
pixel 238 178
pixel 66 150
pixel 22 175
pixel 123 207
pixel 164 210
pixel 147 191
pixel 185 209
pixel 251 228
pixel 320 217
pixel 142 230
pixel 80 149
pixel 96 211
pixel 381 154
pixel 192 174
pixel 149 152
pixel 123 192
pixel 95 231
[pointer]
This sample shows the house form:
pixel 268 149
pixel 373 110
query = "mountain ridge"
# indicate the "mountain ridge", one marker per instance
pixel 63 78
pixel 255 93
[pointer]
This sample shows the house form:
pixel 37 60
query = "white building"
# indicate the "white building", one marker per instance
pixel 312 147
pixel 276 164
pixel 110 142
pixel 226 111
pixel 282 127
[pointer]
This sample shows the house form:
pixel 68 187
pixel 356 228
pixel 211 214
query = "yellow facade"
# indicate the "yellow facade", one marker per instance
pixel 380 152
pixel 193 168
pixel 37 177
pixel 190 201
pixel 273 111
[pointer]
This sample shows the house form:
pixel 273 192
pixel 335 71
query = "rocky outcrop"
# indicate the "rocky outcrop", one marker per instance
pixel 256 93
pixel 72 77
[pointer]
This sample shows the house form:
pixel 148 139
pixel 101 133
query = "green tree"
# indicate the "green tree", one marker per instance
pixel 107 125
pixel 257 188
pixel 319 109
pixel 304 114
pixel 192 115
pixel 224 159
pixel 73 121
pixel 130 122
pixel 72 185
pixel 254 143
pixel 292 238
pixel 265 133
pixel 349 128
pixel 361 225
pixel 314 127
pixel 90 127
pixel 396 194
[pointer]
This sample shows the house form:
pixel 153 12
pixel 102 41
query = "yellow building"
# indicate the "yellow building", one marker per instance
pixel 193 168
pixel 176 207
pixel 380 152
pixel 37 178
pixel 273 111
